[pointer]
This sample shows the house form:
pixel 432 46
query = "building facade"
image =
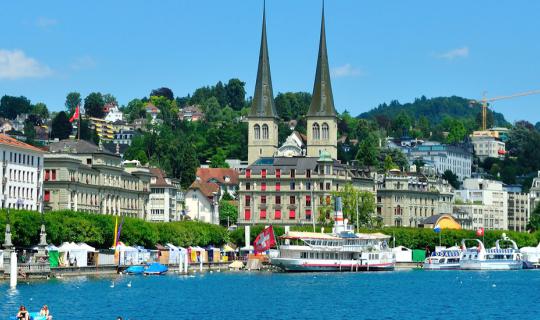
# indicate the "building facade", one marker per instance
pixel 443 157
pixel 485 202
pixel 81 176
pixel 407 199
pixel 164 200
pixel 22 174
pixel 104 129
pixel 518 211
pixel 486 146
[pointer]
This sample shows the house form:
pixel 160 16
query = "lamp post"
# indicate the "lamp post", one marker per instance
pixel 42 235
pixel 7 238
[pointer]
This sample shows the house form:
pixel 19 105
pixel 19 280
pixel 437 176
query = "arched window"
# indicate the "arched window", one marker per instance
pixel 325 133
pixel 265 132
pixel 316 131
pixel 257 130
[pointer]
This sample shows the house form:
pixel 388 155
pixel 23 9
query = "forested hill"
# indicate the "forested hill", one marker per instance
pixel 435 110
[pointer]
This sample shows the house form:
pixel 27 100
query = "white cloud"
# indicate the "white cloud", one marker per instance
pixel 84 62
pixel 462 52
pixel 44 22
pixel 14 64
pixel 346 70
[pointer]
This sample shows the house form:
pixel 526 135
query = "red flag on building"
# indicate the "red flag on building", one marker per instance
pixel 265 240
pixel 480 232
pixel 75 115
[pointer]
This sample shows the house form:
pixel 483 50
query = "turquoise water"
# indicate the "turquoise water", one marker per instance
pixel 391 295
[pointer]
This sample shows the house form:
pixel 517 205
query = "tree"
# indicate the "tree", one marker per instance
pixel 29 132
pixel 534 221
pixel 354 200
pixel 93 105
pixel 389 163
pixel 11 107
pixel 109 99
pixel 228 213
pixel 87 133
pixel 61 127
pixel 221 94
pixel 218 159
pixel 40 110
pixel 456 132
pixel 236 93
pixel 162 92
pixel 73 99
pixel 402 123
pixel 212 110
pixel 135 110
pixel 368 151
pixel 452 178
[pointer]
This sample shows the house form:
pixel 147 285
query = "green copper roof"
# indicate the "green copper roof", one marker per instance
pixel 322 103
pixel 325 157
pixel 263 99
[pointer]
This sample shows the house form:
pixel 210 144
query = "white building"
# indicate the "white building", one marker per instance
pixel 534 192
pixel 488 147
pixel 22 174
pixel 485 202
pixel 164 204
pixel 114 115
pixel 518 211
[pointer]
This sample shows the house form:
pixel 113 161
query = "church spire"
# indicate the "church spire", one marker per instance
pixel 322 103
pixel 263 99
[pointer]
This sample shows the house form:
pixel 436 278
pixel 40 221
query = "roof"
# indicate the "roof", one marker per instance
pixel 207 189
pixel 300 164
pixel 322 103
pixel 308 235
pixel 76 146
pixel 217 175
pixel 7 140
pixel 433 219
pixel 160 178
pixel 263 98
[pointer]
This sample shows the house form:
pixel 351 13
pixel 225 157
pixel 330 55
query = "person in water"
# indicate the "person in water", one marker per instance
pixel 45 312
pixel 23 314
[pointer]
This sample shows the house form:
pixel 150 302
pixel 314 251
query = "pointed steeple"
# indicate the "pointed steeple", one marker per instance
pixel 322 103
pixel 262 105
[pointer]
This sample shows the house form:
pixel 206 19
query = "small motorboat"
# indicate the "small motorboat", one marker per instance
pixel 135 270
pixel 155 269
pixel 31 316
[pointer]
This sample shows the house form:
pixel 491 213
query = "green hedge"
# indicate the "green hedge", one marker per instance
pixel 416 238
pixel 97 230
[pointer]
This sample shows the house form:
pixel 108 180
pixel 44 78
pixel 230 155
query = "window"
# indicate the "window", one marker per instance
pixel 248 201
pixel 328 186
pixel 278 186
pixel 292 186
pixel 325 131
pixel 277 214
pixel 265 131
pixel 248 173
pixel 316 131
pixel 263 214
pixel 263 186
pixel 278 173
pixel 263 173
pixel 47 175
pixel 247 214
pixel 308 200
pixel 292 214
pixel 263 199
pixel 328 200
pixel 308 173
pixel 257 132
pixel 248 186
pixel 293 173
pixel 308 214
pixel 292 200
pixel 308 185
pixel 278 199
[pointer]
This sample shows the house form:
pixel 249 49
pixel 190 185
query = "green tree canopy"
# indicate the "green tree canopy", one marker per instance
pixel 11 107
pixel 93 105
pixel 228 213
pixel 73 99
pixel 61 127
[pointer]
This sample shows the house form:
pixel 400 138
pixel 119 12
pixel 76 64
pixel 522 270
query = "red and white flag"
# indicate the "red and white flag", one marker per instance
pixel 265 240
pixel 480 232
pixel 75 115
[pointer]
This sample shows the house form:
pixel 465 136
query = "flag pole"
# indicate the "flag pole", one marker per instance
pixel 274 233
pixel 79 125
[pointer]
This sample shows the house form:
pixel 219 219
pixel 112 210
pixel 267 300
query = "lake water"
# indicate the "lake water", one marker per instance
pixel 414 294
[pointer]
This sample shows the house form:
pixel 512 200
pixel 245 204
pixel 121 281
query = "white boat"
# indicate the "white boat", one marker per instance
pixel 445 259
pixel 342 250
pixel 498 258
pixel 531 255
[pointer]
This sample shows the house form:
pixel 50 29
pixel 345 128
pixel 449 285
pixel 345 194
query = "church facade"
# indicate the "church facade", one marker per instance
pixel 292 184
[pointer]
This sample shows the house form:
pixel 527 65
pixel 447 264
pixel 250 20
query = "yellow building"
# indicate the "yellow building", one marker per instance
pixel 104 129
pixel 444 221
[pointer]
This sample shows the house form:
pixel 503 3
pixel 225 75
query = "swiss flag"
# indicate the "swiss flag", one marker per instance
pixel 75 115
pixel 265 240
pixel 480 232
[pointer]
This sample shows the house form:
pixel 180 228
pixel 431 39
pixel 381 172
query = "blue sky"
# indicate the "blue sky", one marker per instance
pixel 379 50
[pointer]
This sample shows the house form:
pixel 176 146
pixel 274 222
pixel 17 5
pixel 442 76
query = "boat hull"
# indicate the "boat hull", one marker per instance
pixel 305 265
pixel 441 266
pixel 491 265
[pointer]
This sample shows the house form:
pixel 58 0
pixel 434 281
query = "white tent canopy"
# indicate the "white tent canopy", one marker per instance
pixel 402 254
pixel 128 255
pixel 531 254
pixel 73 254
pixel 176 254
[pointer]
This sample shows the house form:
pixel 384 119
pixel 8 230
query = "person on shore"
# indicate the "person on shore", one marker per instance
pixel 45 312
pixel 23 314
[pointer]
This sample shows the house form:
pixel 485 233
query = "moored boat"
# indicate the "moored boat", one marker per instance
pixel 342 250
pixel 498 258
pixel 445 259
pixel 156 269
pixel 134 270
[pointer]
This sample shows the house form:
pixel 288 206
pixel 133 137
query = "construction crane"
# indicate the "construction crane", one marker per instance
pixel 486 100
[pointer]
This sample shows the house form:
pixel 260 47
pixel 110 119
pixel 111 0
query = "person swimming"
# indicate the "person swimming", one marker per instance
pixel 45 312
pixel 23 313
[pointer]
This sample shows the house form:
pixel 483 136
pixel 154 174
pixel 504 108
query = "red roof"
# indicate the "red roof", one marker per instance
pixel 207 189
pixel 7 140
pixel 160 178
pixel 218 175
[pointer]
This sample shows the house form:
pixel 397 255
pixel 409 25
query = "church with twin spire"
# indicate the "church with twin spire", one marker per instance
pixel 291 184
pixel 321 117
